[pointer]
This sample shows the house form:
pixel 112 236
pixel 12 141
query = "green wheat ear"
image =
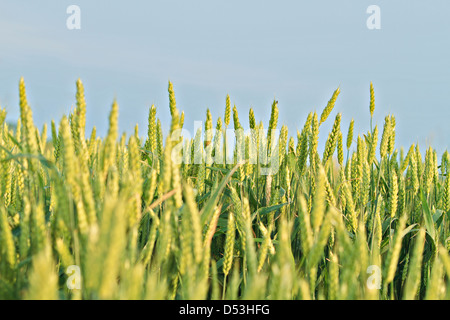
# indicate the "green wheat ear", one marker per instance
pixel 331 142
pixel 208 123
pixel 81 107
pixel 251 118
pixel 372 100
pixel 109 151
pixel 386 137
pixel 182 119
pixel 2 116
pixel 229 244
pixel 151 143
pixel 26 117
pixel 172 101
pixel 227 117
pixel 446 194
pixel 393 194
pixel 373 146
pixel 237 124
pixel 159 139
pixel 7 239
pixel 313 140
pixel 340 149
pixel 350 134
pixel 43 277
pixel 391 142
pixel 330 105
pixel 274 116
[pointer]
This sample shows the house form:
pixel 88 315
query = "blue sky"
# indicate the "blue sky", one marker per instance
pixel 298 52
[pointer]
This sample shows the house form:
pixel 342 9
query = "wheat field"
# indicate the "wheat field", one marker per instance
pixel 121 217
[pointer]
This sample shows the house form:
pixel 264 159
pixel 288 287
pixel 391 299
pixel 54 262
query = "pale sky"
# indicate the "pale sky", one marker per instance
pixel 298 52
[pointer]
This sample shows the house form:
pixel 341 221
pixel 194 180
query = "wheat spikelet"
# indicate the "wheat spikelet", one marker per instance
pixel 413 279
pixel 172 101
pixel 43 278
pixel 446 194
pixel 391 141
pixel 393 194
pixel 372 100
pixel 237 124
pixel 406 161
pixel 272 125
pixel 24 240
pixel 8 250
pixel 251 119
pixel 350 134
pixel 229 245
pixel 186 251
pixel 306 233
pixel 147 250
pixel 151 143
pixel 266 247
pixel 330 145
pixel 350 206
pixel 320 241
pixel 385 138
pixel 109 151
pixel 333 270
pixel 378 230
pixel 194 217
pixel 373 146
pixel 330 105
pixel 302 152
pixel 227 116
pixel 81 106
pixel 26 117
pixel 445 162
pixel 340 149
pixel 429 170
pixel 64 253
pixel 318 209
pixel 401 196
pixel 2 116
pixel 313 141
pixel 365 183
pixel 166 170
pixel 182 119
